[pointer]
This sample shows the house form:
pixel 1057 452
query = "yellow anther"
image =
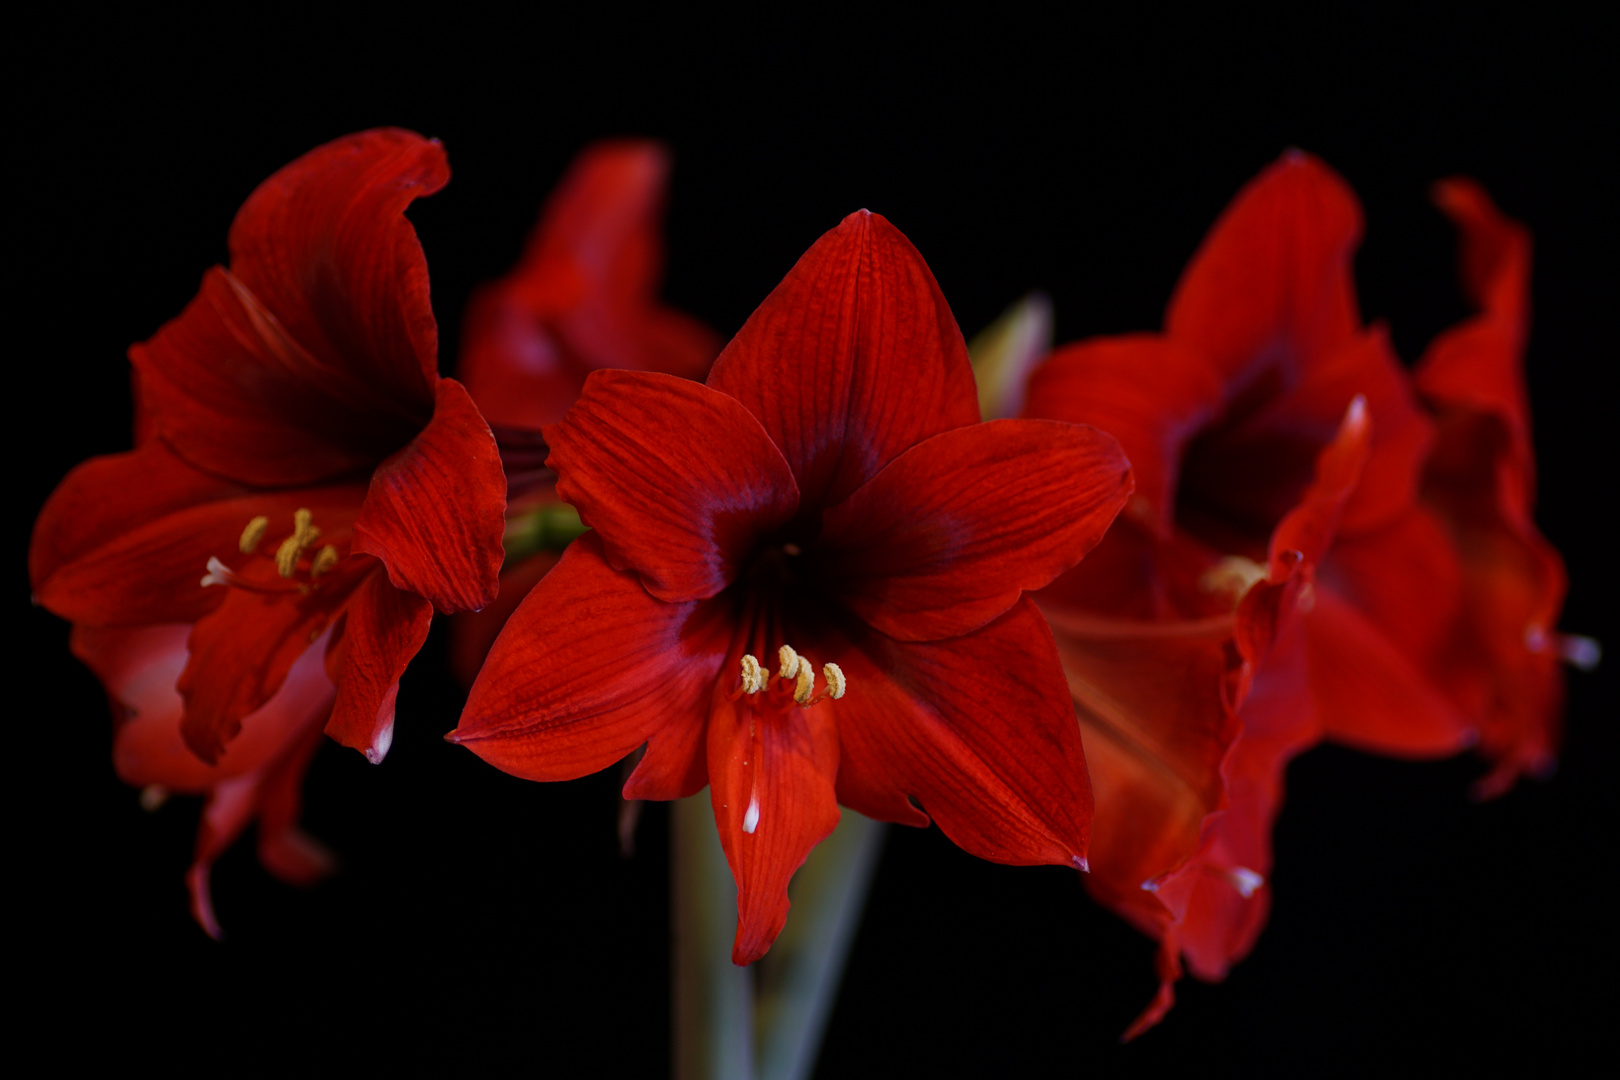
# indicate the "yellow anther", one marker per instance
pixel 835 680
pixel 324 560
pixel 304 527
pixel 253 534
pixel 789 660
pixel 807 681
pixel 753 676
pixel 287 556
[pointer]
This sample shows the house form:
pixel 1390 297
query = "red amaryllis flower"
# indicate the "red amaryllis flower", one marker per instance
pixel 1502 662
pixel 584 297
pixel 1226 416
pixel 829 495
pixel 304 477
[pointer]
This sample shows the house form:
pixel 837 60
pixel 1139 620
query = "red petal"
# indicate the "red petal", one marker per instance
pixel 1154 701
pixel 771 782
pixel 383 627
pixel 126 539
pixel 553 703
pixel 852 359
pixel 473 632
pixel 326 246
pixel 1405 579
pixel 1271 283
pixel 680 481
pixel 950 534
pixel 436 510
pixel 1370 696
pixel 1308 528
pixel 242 652
pixel 978 728
pixel 1146 391
pixel 584 296
pixel 230 389
pixel 285 849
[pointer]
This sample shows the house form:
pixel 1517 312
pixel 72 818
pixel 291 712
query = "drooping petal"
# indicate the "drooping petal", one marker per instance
pixel 1271 284
pixel 1143 389
pixel 553 703
pixel 771 776
pixel 853 359
pixel 436 510
pixel 285 850
pixel 325 245
pixel 681 481
pixel 242 651
pixel 953 531
pixel 383 628
pixel 978 728
pixel 1155 701
pixel 1370 696
pixel 151 569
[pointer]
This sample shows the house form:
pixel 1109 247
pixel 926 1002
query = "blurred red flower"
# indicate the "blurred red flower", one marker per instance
pixel 584 296
pixel 1278 560
pixel 302 477
pixel 828 491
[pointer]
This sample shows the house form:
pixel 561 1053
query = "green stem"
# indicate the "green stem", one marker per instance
pixel 799 977
pixel 713 998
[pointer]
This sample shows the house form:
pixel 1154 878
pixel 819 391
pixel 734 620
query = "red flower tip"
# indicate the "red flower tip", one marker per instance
pixel 1082 864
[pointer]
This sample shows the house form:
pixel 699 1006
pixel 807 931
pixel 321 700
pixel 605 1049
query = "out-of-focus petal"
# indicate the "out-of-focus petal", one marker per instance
pixel 952 532
pixel 473 632
pixel 853 359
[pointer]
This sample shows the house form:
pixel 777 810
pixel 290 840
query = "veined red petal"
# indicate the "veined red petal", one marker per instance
pixel 553 703
pixel 978 728
pixel 952 532
pixel 679 480
pixel 126 539
pixel 436 510
pixel 242 651
pixel 473 632
pixel 383 628
pixel 1271 283
pixel 235 394
pixel 325 245
pixel 853 359
pixel 1143 389
pixel 771 782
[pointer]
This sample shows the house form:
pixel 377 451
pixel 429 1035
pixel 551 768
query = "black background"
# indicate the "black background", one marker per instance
pixel 482 921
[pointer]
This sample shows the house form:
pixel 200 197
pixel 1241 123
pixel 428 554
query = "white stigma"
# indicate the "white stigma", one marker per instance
pixel 218 573
pixel 1244 880
pixel 751 815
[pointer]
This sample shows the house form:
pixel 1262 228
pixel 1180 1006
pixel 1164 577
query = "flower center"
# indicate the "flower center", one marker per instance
pixel 793 685
pixel 298 572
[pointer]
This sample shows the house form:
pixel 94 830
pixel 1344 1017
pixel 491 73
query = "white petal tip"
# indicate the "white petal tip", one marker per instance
pixel 379 746
pixel 1245 881
pixel 751 817
pixel 1080 863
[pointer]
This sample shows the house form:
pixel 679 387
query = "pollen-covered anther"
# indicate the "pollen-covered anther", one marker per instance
pixel 789 661
pixel 1234 575
pixel 324 560
pixel 806 681
pixel 753 676
pixel 252 535
pixel 304 534
pixel 835 680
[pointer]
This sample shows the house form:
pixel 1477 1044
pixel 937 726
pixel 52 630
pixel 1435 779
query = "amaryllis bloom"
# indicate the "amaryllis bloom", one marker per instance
pixel 303 481
pixel 1502 661
pixel 1238 420
pixel 804 586
pixel 583 297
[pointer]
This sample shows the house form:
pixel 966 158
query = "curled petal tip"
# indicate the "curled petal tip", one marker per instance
pixel 379 746
pixel 1356 414
pixel 1081 864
